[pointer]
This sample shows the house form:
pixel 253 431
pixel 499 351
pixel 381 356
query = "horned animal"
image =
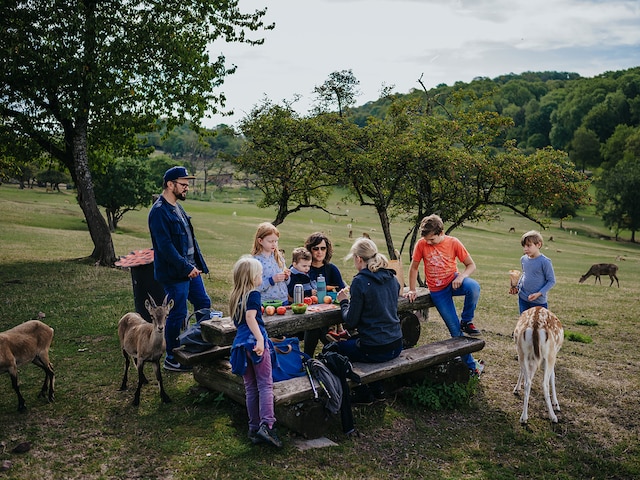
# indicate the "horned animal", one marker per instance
pixel 602 269
pixel 28 342
pixel 144 342
pixel 538 336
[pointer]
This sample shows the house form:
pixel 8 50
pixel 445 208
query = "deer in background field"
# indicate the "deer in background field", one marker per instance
pixel 602 269
pixel 538 336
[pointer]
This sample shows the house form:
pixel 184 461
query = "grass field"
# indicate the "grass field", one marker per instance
pixel 93 432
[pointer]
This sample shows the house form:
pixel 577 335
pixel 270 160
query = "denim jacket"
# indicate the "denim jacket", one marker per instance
pixel 170 244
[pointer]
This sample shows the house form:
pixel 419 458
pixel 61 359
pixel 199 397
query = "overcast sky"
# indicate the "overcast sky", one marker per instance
pixel 395 42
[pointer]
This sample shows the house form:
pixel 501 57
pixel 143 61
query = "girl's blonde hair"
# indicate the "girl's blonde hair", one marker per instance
pixel 265 229
pixel 368 251
pixel 245 272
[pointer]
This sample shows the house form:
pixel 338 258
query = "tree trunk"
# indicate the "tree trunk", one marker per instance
pixel 386 229
pixel 103 251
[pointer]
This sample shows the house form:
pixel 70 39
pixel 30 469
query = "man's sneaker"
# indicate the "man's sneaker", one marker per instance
pixel 253 437
pixel 470 329
pixel 174 366
pixel 269 435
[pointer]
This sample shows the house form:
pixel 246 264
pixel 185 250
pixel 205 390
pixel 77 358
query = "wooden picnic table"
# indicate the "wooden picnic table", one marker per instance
pixel 295 406
pixel 221 332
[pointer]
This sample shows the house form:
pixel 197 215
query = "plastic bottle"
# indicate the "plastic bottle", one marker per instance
pixel 321 287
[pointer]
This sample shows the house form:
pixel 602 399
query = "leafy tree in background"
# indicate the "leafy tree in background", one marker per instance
pixel 158 165
pixel 614 148
pixel 379 168
pixel 53 178
pixel 618 195
pixel 86 76
pixel 341 89
pixel 467 172
pixel 124 185
pixel 585 149
pixel 288 158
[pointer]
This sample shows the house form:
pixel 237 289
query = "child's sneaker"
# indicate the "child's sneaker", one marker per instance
pixel 470 329
pixel 269 435
pixel 253 437
pixel 342 333
pixel 333 336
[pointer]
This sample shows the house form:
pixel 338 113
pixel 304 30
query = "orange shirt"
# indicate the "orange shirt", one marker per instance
pixel 440 265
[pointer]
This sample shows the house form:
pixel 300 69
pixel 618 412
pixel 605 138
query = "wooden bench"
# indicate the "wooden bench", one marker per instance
pixel 294 399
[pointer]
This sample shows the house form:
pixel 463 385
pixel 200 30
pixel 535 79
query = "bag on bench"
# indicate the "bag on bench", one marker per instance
pixel 287 359
pixel 191 338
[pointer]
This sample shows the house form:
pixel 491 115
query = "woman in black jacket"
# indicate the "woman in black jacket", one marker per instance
pixel 371 307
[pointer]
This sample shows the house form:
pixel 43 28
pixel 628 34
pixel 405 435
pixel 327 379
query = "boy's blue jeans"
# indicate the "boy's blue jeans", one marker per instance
pixel 192 290
pixel 526 305
pixel 443 301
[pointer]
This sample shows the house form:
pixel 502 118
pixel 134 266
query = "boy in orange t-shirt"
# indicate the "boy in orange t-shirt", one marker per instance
pixel 440 254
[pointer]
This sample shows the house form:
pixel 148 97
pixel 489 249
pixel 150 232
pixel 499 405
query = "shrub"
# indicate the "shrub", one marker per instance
pixel 587 323
pixel 443 396
pixel 577 337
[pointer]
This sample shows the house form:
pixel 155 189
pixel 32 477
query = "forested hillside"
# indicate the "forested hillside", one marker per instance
pixel 590 118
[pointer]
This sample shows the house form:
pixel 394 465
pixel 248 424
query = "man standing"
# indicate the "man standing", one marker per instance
pixel 178 262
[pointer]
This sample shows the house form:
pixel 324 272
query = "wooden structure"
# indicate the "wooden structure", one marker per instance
pixel 294 399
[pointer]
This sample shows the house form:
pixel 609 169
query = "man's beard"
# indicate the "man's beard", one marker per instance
pixel 181 196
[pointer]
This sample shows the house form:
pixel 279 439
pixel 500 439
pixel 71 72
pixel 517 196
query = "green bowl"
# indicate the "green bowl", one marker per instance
pixel 272 303
pixel 299 307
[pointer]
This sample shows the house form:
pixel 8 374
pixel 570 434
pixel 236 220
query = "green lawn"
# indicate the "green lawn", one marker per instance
pixel 93 432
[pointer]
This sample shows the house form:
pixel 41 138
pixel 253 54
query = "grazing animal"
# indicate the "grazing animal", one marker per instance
pixel 144 342
pixel 28 342
pixel 538 336
pixel 602 269
pixel 512 230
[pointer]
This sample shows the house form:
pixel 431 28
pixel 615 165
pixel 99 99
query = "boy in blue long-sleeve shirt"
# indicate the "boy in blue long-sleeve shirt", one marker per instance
pixel 537 277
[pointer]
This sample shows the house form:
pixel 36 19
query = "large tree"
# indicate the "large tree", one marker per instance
pixel 618 194
pixel 289 158
pixel 86 75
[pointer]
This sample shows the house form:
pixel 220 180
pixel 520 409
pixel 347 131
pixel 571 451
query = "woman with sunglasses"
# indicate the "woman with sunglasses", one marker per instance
pixel 321 252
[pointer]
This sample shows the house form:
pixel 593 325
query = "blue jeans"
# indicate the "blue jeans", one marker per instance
pixel 192 290
pixel 258 387
pixel 526 305
pixel 443 301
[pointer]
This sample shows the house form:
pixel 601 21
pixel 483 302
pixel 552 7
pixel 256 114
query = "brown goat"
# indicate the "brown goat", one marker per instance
pixel 28 342
pixel 602 269
pixel 144 342
pixel 538 336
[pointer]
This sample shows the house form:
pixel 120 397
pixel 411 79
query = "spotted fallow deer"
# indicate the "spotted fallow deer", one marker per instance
pixel 538 336
pixel 602 269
